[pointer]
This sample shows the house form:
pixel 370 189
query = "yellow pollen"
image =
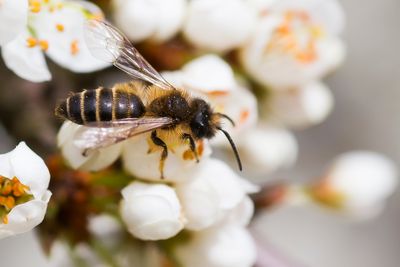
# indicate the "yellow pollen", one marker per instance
pixel 60 27
pixel 31 42
pixel 44 45
pixel 34 6
pixel 74 47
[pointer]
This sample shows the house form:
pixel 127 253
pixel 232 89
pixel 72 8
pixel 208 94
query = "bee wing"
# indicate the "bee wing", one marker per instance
pixel 91 138
pixel 107 43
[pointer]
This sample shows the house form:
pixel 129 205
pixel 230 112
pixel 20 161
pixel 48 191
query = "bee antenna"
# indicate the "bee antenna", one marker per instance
pixel 226 117
pixel 233 147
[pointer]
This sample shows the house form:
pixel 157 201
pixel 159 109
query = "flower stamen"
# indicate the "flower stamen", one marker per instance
pixel 12 193
pixel 60 27
pixel 35 6
pixel 31 42
pixel 74 47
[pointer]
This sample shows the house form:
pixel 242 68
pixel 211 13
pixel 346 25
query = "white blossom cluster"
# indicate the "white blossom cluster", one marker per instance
pixel 46 27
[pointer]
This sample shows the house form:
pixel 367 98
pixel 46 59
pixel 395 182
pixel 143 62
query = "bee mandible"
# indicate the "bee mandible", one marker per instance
pixel 147 104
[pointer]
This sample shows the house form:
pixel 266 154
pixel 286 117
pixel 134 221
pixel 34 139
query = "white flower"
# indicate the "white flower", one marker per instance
pixel 149 19
pixel 213 191
pixel 219 25
pixel 51 27
pixel 94 161
pixel 301 106
pixel 295 42
pixel 24 179
pixel 358 183
pixel 225 246
pixel 265 149
pixel 151 211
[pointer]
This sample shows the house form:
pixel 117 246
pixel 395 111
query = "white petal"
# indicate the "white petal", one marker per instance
pixel 96 160
pixel 200 203
pixel 151 211
pixel 208 73
pixel 24 217
pixel 302 106
pixel 13 19
pixel 67 47
pixel 30 169
pixel 266 149
pixel 138 162
pixel 170 18
pixel 219 25
pixel 28 63
pixel 228 246
pixel 241 106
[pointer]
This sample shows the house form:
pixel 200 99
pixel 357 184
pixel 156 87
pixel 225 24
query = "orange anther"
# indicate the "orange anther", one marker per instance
pixel 31 42
pixel 5 219
pixel 10 202
pixel 74 47
pixel 244 115
pixel 44 45
pixel 60 27
pixel 34 6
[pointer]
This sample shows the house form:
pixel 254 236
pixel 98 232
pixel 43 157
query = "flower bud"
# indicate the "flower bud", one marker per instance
pixel 358 183
pixel 219 25
pixel 265 149
pixel 151 211
pixel 301 106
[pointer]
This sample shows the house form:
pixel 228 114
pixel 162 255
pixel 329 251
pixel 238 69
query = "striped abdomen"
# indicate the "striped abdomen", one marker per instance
pixel 101 104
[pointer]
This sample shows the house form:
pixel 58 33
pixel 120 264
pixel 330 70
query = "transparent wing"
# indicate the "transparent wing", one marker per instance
pixel 109 133
pixel 109 44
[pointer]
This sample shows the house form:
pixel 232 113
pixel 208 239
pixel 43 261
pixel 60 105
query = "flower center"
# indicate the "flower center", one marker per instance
pixel 12 193
pixel 297 36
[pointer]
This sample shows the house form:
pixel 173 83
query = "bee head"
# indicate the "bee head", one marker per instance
pixel 202 122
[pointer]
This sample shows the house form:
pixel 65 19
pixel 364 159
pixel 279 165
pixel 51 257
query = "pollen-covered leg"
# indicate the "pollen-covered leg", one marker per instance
pixel 192 145
pixel 158 142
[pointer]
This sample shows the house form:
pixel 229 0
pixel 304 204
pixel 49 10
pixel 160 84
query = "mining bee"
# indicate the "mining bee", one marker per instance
pixel 147 104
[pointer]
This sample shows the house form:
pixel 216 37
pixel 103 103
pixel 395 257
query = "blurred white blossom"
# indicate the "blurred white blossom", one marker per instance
pixel 24 179
pixel 149 19
pixel 51 27
pixel 295 42
pixel 219 25
pixel 301 106
pixel 358 183
pixel 224 246
pixel 151 211
pixel 266 149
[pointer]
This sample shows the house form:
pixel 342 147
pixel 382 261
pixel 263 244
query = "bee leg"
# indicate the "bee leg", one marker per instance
pixel 192 145
pixel 158 142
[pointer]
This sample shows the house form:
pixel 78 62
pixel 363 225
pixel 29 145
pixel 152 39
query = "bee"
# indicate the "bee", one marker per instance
pixel 147 104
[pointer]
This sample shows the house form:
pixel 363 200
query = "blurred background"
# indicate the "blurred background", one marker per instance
pixel 366 90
